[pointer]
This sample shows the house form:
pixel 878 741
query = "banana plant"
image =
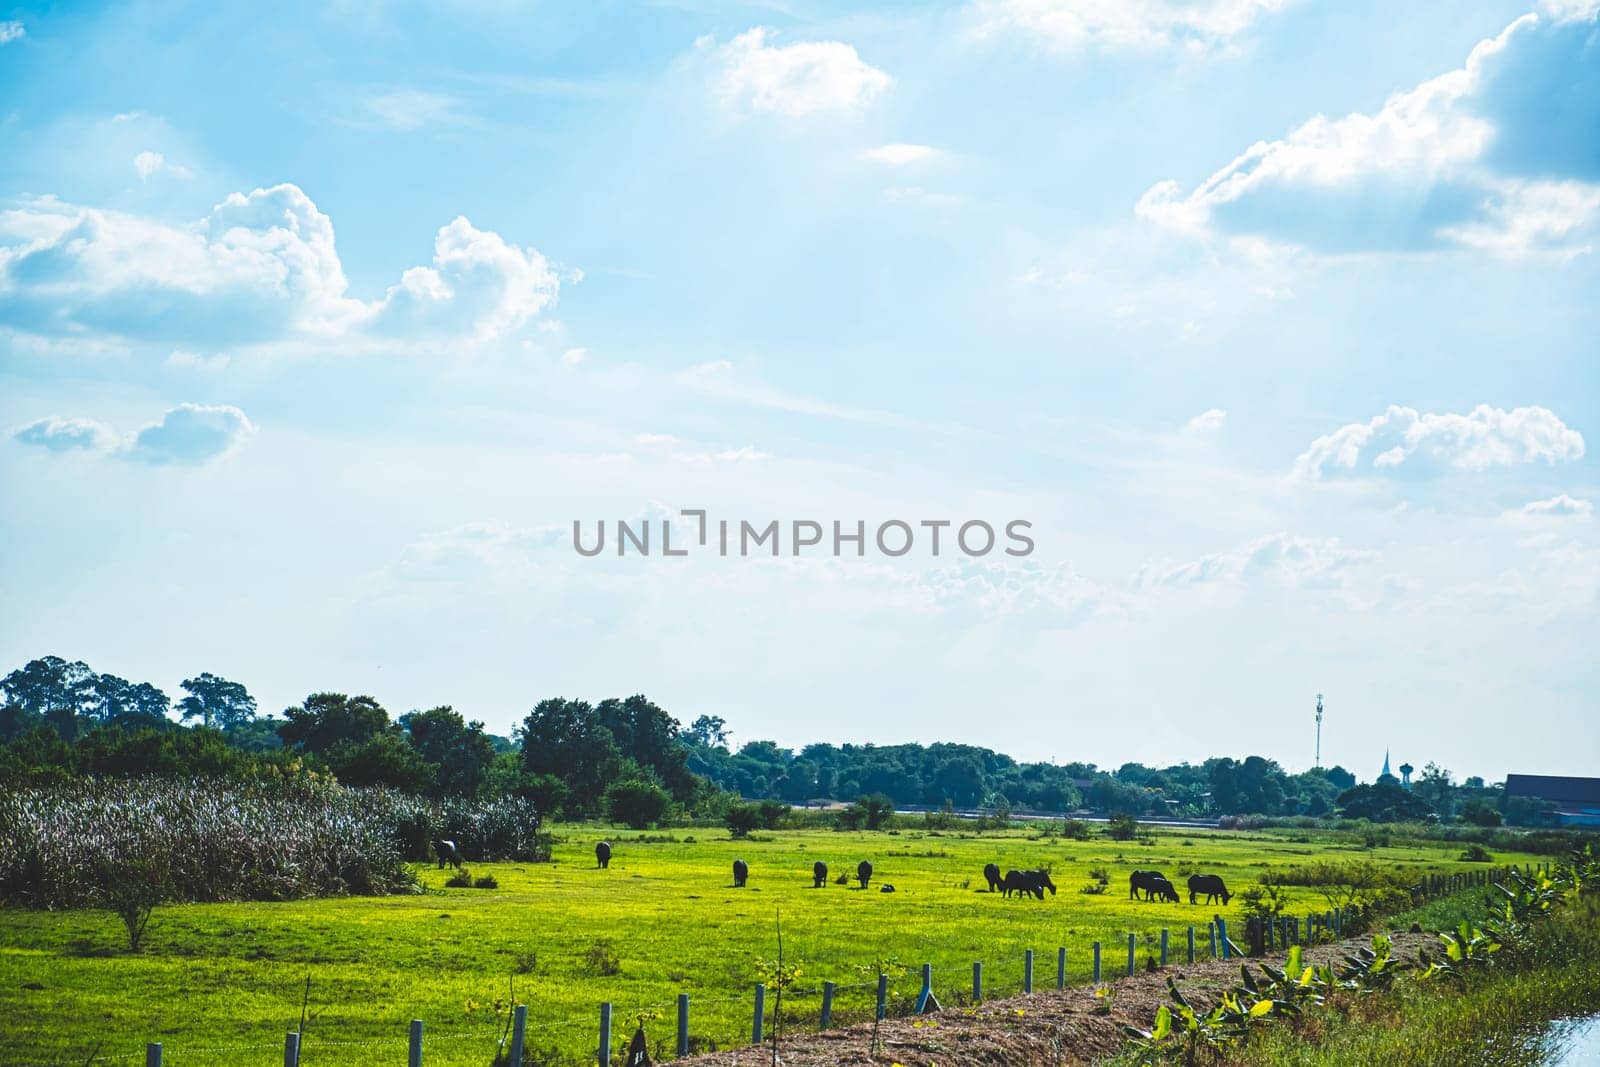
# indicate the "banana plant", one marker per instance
pixel 1468 950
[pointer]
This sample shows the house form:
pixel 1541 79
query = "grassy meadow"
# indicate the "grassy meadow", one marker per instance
pixel 221 983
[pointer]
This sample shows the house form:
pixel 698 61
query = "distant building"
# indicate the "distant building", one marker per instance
pixel 1577 800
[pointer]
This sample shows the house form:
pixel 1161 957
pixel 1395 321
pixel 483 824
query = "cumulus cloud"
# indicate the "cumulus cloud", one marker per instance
pixel 797 80
pixel 1560 506
pixel 404 110
pixel 149 164
pixel 1279 558
pixel 186 435
pixel 1070 25
pixel 1501 154
pixel 11 30
pixel 262 266
pixel 900 155
pixel 190 434
pixel 1207 421
pixel 1403 441
pixel 65 435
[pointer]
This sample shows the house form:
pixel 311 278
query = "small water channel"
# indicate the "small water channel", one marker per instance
pixel 1574 1042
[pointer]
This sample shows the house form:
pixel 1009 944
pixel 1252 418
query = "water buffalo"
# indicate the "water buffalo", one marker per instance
pixel 1209 884
pixel 819 875
pixel 1148 881
pixel 1161 889
pixel 1025 882
pixel 447 853
pixel 991 874
pixel 602 854
pixel 864 872
pixel 741 871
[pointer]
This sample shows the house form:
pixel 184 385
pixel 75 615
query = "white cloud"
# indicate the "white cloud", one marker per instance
pixel 404 110
pixel 1207 421
pixel 1403 441
pixel 573 356
pixel 1495 155
pixel 190 434
pixel 1557 507
pixel 900 155
pixel 797 80
pixel 11 30
pixel 262 266
pixel 1070 25
pixel 1279 558
pixel 186 435
pixel 149 164
pixel 183 358
pixel 65 435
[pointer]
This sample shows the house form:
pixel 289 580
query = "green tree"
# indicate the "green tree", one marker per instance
pixel 217 702
pixel 460 752
pixel 324 720
pixel 49 690
pixel 637 802
pixel 1386 800
pixel 566 738
pixel 707 731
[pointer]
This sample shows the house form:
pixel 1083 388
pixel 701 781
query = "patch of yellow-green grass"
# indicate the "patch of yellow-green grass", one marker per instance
pixel 230 977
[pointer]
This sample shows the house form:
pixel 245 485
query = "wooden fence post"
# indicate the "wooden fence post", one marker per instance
pixel 760 1015
pixel 519 1032
pixel 605 1034
pixel 883 995
pixel 414 1056
pixel 152 1054
pixel 683 1027
pixel 1191 942
pixel 1061 967
pixel 1133 942
pixel 827 1005
pixel 1097 963
pixel 977 981
pixel 291 1049
pixel 1027 971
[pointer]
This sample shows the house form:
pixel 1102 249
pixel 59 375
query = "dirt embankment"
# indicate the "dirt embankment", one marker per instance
pixel 1050 1029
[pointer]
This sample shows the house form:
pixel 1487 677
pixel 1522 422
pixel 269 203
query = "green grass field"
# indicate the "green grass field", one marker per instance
pixel 220 984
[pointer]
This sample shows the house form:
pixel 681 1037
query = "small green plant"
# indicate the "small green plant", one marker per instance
pixel 131 890
pixel 601 959
pixel 487 881
pixel 462 879
pixel 1466 951
pixel 1476 854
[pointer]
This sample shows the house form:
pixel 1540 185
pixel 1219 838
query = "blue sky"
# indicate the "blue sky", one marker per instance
pixel 1276 318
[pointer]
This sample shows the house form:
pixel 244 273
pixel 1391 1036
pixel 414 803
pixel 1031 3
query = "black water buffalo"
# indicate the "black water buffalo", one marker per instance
pixel 741 871
pixel 1148 882
pixel 1209 884
pixel 1025 882
pixel 602 854
pixel 819 875
pixel 991 874
pixel 864 872
pixel 1163 890
pixel 447 853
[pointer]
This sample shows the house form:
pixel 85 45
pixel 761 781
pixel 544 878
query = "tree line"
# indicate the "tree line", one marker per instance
pixel 630 760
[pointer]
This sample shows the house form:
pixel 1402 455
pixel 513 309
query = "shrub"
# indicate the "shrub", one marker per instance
pixel 601 959
pixel 462 879
pixel 742 818
pixel 1075 830
pixel 637 803
pixel 488 881
pixel 1477 854
pixel 1122 827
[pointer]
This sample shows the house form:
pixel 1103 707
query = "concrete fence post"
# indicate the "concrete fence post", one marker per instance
pixel 1061 967
pixel 152 1054
pixel 414 1054
pixel 1027 971
pixel 1222 935
pixel 1164 938
pixel 760 1014
pixel 519 1032
pixel 683 1027
pixel 1097 963
pixel 977 981
pixel 291 1049
pixel 883 995
pixel 605 1034
pixel 1133 948
pixel 827 1005
pixel 927 988
pixel 1191 943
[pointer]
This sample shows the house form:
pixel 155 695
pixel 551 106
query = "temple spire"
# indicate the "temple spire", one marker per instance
pixel 1386 764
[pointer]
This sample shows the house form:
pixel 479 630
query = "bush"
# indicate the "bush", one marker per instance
pixel 601 959
pixel 1477 854
pixel 462 879
pixel 637 803
pixel 742 818
pixel 1075 830
pixel 1122 827
pixel 488 881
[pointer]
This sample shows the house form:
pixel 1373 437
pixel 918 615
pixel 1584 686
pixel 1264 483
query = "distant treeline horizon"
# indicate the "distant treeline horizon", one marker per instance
pixel 576 759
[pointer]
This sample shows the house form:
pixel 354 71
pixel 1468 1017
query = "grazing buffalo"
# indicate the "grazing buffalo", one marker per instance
pixel 991 874
pixel 447 853
pixel 602 854
pixel 741 871
pixel 864 872
pixel 819 875
pixel 1146 881
pixel 1209 884
pixel 886 888
pixel 1161 889
pixel 1026 882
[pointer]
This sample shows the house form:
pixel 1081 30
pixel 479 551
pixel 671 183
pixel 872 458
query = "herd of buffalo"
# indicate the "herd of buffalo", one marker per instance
pixel 1152 884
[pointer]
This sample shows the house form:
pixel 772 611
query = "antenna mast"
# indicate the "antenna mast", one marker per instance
pixel 1319 730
